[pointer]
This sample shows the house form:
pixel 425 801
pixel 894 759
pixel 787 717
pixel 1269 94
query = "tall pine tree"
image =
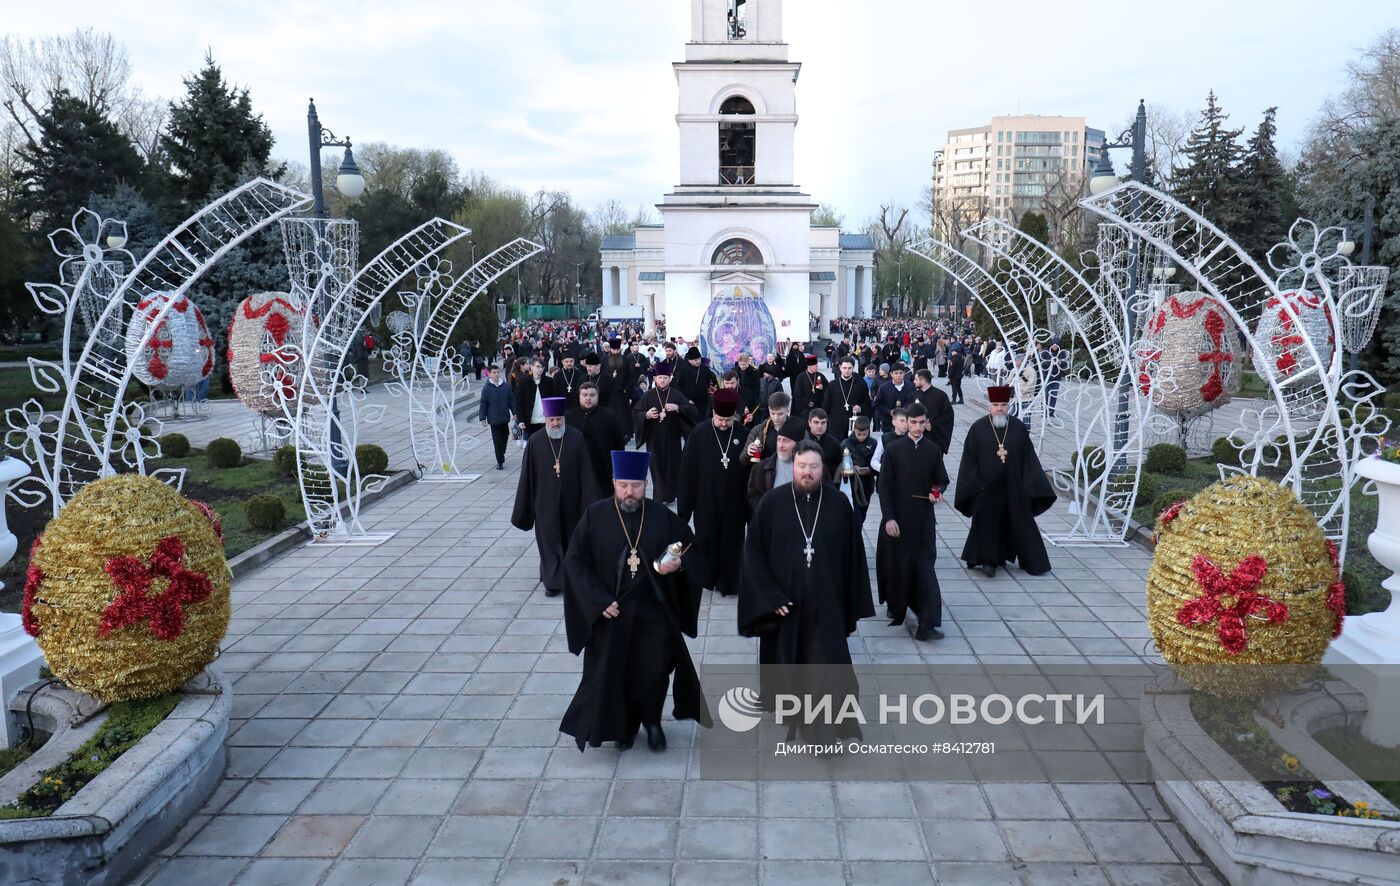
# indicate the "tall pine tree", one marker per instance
pixel 1267 193
pixel 80 153
pixel 1208 182
pixel 214 141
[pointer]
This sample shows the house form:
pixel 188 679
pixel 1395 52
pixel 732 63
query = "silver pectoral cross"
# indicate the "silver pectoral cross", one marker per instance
pixel 724 460
pixel 809 551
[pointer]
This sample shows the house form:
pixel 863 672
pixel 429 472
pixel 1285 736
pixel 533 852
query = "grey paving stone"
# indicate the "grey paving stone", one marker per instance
pixel 721 799
pixel 369 872
pixel 978 874
pixel 302 763
pixel 949 800
pixel 522 872
pixel 271 796
pixel 475 836
pixel 455 871
pixel 372 762
pixel 419 796
pixel 958 840
pixel 868 839
pixel 719 838
pixel 568 797
pixel 1024 801
pixel 234 835
pixel 646 798
pixel 1062 874
pixel 558 838
pixel 394 836
pixel 800 838
pixel 709 873
pixel 872 799
pixel 892 873
pixel 1101 801
pixel 802 873
pixel 1044 841
pixel 495 797
pixel 314 836
pixel 281 872
pixel 637 838
pixel 345 796
pixel 798 799
pixel 1129 841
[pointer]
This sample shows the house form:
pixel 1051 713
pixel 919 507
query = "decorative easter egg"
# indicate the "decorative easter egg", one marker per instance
pixel 1188 357
pixel 265 326
pixel 1284 337
pixel 735 323
pixel 1245 591
pixel 170 351
pixel 128 590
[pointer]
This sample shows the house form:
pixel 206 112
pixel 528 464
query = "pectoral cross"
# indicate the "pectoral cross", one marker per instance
pixel 724 460
pixel 634 562
pixel 1001 452
pixel 556 467
pixel 809 551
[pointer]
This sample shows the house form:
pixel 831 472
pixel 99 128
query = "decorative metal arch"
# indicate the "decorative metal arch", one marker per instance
pixel 1321 457
pixel 324 376
pixel 427 364
pixel 76 445
pixel 1108 427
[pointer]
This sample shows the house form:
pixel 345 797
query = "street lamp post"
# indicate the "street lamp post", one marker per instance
pixel 578 287
pixel 350 183
pixel 1135 138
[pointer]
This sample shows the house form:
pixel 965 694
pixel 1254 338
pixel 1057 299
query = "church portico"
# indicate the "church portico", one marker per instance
pixel 737 207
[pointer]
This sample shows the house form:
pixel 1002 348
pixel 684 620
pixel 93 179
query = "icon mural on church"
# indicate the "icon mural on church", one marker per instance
pixel 737 321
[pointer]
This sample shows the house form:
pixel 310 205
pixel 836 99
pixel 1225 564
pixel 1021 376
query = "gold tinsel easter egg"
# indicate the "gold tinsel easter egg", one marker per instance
pixel 128 590
pixel 1244 592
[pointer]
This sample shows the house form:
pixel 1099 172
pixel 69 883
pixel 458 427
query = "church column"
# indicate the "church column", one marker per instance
pixel 608 286
pixel 649 314
pixel 623 276
pixel 866 292
pixel 850 298
pixel 825 301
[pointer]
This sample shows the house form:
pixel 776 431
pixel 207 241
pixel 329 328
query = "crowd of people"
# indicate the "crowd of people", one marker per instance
pixel 761 477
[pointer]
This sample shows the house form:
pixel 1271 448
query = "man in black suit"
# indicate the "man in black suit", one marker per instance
pixel 530 392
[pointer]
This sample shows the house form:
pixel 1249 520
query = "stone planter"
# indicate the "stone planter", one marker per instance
pixel 1367 654
pixel 111 827
pixel 1247 834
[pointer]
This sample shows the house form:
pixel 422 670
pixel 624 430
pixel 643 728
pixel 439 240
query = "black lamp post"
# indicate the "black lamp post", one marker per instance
pixel 351 183
pixel 1135 137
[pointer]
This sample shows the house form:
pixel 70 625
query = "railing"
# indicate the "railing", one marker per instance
pixel 736 175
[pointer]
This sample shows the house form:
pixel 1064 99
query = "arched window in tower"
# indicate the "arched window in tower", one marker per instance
pixel 737 251
pixel 737 143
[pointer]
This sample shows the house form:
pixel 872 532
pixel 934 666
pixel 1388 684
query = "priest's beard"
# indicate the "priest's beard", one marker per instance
pixel 629 506
pixel 555 433
pixel 999 421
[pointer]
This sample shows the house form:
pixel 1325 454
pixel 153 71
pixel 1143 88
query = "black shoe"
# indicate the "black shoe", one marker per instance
pixel 989 570
pixel 924 635
pixel 896 622
pixel 625 745
pixel 552 592
pixel 500 466
pixel 656 739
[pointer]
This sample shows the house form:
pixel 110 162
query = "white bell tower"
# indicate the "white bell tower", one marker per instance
pixel 737 115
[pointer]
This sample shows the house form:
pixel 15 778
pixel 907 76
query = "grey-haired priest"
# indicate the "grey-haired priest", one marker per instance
pixel 557 482
pixel 632 590
pixel 663 418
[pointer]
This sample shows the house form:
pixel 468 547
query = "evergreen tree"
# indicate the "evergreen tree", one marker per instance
pixel 214 141
pixel 79 153
pixel 1209 180
pixel 126 204
pixel 1267 193
pixel 17 309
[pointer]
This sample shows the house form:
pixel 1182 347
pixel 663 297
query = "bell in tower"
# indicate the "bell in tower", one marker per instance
pixel 738 20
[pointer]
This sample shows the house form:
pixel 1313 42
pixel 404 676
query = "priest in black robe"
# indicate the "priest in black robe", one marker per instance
pixel 601 431
pixel 557 482
pixel 912 480
pixel 808 389
pixel 939 408
pixel 714 483
pixel 1003 488
pixel 625 610
pixel 615 382
pixel 663 418
pixel 569 378
pixel 847 397
pixel 804 587
pixel 694 381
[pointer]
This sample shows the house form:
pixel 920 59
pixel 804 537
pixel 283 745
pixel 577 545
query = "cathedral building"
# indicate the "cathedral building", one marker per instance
pixel 736 261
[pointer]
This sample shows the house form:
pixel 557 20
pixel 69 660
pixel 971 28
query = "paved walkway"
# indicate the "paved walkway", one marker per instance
pixel 396 719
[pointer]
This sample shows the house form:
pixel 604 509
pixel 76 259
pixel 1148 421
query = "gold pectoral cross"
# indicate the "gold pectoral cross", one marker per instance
pixel 1001 453
pixel 556 466
pixel 634 562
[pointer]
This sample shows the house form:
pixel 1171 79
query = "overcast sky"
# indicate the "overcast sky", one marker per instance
pixel 581 96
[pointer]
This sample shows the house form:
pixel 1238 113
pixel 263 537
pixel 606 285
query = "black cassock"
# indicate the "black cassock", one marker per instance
pixel 841 395
pixel 567 383
pixel 1003 500
pixel 552 505
pixel 940 416
pixel 694 383
pixel 603 434
pixel 717 497
pixel 825 599
pixel 628 660
pixel 808 393
pixel 906 569
pixel 663 438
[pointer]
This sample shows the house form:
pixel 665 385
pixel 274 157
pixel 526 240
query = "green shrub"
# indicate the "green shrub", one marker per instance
pixel 371 459
pixel 174 446
pixel 1166 498
pixel 1094 458
pixel 223 453
pixel 1226 451
pixel 1391 400
pixel 265 512
pixel 1148 487
pixel 1165 458
pixel 285 460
